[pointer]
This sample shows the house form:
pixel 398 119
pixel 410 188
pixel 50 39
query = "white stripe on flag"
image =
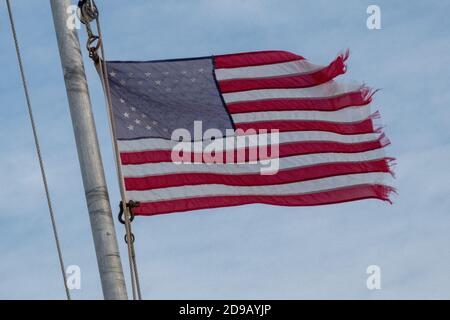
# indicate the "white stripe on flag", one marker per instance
pixel 326 90
pixel 346 115
pixel 284 137
pixel 150 169
pixel 295 188
pixel 271 70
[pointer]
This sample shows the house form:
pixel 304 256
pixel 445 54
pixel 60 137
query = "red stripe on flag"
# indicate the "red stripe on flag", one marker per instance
pixel 327 197
pixel 285 150
pixel 365 126
pixel 358 98
pixel 247 59
pixel 336 68
pixel 256 179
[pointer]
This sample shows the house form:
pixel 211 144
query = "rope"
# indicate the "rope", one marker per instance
pixel 38 149
pixel 129 234
pixel 89 12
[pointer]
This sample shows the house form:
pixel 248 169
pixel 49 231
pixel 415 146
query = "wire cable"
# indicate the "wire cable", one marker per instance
pixel 38 149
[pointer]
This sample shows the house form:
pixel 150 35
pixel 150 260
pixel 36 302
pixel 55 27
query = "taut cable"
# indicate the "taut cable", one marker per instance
pixel 38 149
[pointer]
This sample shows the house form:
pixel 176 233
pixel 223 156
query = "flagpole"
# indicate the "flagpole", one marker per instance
pixel 105 241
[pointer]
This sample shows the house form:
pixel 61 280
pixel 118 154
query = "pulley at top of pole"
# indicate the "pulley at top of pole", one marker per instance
pixel 87 11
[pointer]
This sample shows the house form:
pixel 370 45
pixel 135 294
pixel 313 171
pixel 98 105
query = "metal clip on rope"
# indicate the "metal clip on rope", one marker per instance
pixel 130 205
pixel 88 12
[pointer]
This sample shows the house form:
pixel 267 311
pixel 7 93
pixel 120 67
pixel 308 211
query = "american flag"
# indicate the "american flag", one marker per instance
pixel 329 149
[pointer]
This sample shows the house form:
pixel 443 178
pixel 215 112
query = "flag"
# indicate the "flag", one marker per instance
pixel 261 127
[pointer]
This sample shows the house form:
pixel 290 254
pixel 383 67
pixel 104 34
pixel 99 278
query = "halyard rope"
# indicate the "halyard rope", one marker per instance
pixel 94 43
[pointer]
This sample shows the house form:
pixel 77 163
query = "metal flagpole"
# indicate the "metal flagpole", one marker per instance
pixel 105 241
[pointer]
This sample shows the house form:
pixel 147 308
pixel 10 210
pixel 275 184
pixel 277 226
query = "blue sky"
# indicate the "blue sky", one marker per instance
pixel 250 251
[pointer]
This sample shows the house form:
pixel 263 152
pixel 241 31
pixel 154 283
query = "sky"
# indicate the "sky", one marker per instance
pixel 246 252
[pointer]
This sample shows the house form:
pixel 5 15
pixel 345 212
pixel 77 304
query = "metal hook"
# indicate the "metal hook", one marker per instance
pixel 130 205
